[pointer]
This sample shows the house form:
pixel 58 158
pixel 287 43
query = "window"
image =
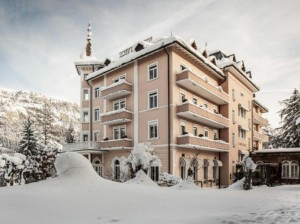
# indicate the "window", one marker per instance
pixel 233 116
pixel 182 128
pixel 97 166
pixel 97 114
pixel 242 112
pixel 97 92
pixel 194 166
pixel 216 135
pixel 153 99
pixel 233 139
pixel 182 67
pixel 195 130
pixel 154 173
pixel 182 97
pixel 205 105
pixel 117 170
pixel 119 132
pixel 290 170
pixel 85 116
pixel 242 132
pixel 97 136
pixel 153 133
pixel 85 137
pixel 206 132
pixel 195 101
pixel 152 72
pixel 182 165
pixel 119 104
pixel 205 172
pixel 85 94
pixel 216 172
pixel 233 95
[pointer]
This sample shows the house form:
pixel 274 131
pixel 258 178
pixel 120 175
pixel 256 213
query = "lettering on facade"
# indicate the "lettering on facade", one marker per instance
pixel 130 49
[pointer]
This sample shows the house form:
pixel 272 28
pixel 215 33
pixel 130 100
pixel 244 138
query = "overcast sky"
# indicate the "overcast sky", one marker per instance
pixel 40 40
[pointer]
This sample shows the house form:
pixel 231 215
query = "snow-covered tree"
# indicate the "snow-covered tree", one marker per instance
pixel 28 143
pixel 70 134
pixel 141 157
pixel 290 129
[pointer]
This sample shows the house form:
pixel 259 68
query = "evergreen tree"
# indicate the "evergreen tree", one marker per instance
pixel 70 134
pixel 290 130
pixel 28 143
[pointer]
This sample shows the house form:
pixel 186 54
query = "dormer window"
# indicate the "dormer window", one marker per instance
pixel 139 47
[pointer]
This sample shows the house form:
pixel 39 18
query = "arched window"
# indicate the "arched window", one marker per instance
pixel 217 164
pixel 196 165
pixel 182 164
pixel 205 170
pixel 97 166
pixel 117 170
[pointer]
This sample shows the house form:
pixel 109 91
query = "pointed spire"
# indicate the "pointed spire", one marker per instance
pixel 89 47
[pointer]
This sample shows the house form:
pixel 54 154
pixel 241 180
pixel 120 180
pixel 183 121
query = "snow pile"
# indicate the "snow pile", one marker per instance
pixel 142 179
pixel 237 185
pixel 74 164
pixel 250 165
pixel 166 179
pixel 186 185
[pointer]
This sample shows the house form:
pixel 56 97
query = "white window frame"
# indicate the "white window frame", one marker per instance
pixel 97 166
pixel 149 67
pixel 153 122
pixel 195 127
pixel 206 129
pixel 83 117
pixel 182 124
pixel 97 96
pixel 290 170
pixel 117 167
pixel 96 133
pixel 119 128
pixel 95 117
pixel 149 93
pixel 83 94
pixel 85 133
pixel 182 95
pixel 119 102
pixel 216 134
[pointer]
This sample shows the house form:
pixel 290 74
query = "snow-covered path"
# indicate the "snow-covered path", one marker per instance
pixel 79 196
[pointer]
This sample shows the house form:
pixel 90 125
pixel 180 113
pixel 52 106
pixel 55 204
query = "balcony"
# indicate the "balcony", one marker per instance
pixel 202 143
pixel 116 117
pixel 79 146
pixel 201 86
pixel 257 119
pixel 116 90
pixel 199 114
pixel 260 137
pixel 117 144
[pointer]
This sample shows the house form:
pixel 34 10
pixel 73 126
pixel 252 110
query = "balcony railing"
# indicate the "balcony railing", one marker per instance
pixel 116 117
pixel 201 86
pixel 260 137
pixel 257 119
pixel 116 90
pixel 117 144
pixel 199 114
pixel 204 143
pixel 76 146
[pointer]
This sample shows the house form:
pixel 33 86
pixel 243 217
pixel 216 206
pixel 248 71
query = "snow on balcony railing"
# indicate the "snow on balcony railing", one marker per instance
pixel 116 117
pixel 117 144
pixel 117 89
pixel 81 146
pixel 197 83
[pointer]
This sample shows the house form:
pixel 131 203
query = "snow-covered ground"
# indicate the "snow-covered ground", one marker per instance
pixel 79 196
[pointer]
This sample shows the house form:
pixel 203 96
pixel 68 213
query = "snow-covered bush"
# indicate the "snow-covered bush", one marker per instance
pixel 141 158
pixel 168 180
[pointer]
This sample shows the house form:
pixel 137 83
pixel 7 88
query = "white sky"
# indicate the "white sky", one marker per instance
pixel 40 40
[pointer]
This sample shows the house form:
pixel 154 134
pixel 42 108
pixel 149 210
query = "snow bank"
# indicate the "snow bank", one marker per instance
pixel 237 185
pixel 142 179
pixel 74 164
pixel 186 185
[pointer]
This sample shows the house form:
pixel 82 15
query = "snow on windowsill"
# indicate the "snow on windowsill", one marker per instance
pixel 121 81
pixel 116 112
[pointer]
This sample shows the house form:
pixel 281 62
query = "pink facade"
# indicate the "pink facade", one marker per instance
pixel 196 113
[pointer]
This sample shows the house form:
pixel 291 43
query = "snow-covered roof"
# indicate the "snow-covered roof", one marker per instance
pixel 280 150
pixel 265 109
pixel 152 47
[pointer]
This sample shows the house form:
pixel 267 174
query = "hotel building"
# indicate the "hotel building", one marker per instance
pixel 196 107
